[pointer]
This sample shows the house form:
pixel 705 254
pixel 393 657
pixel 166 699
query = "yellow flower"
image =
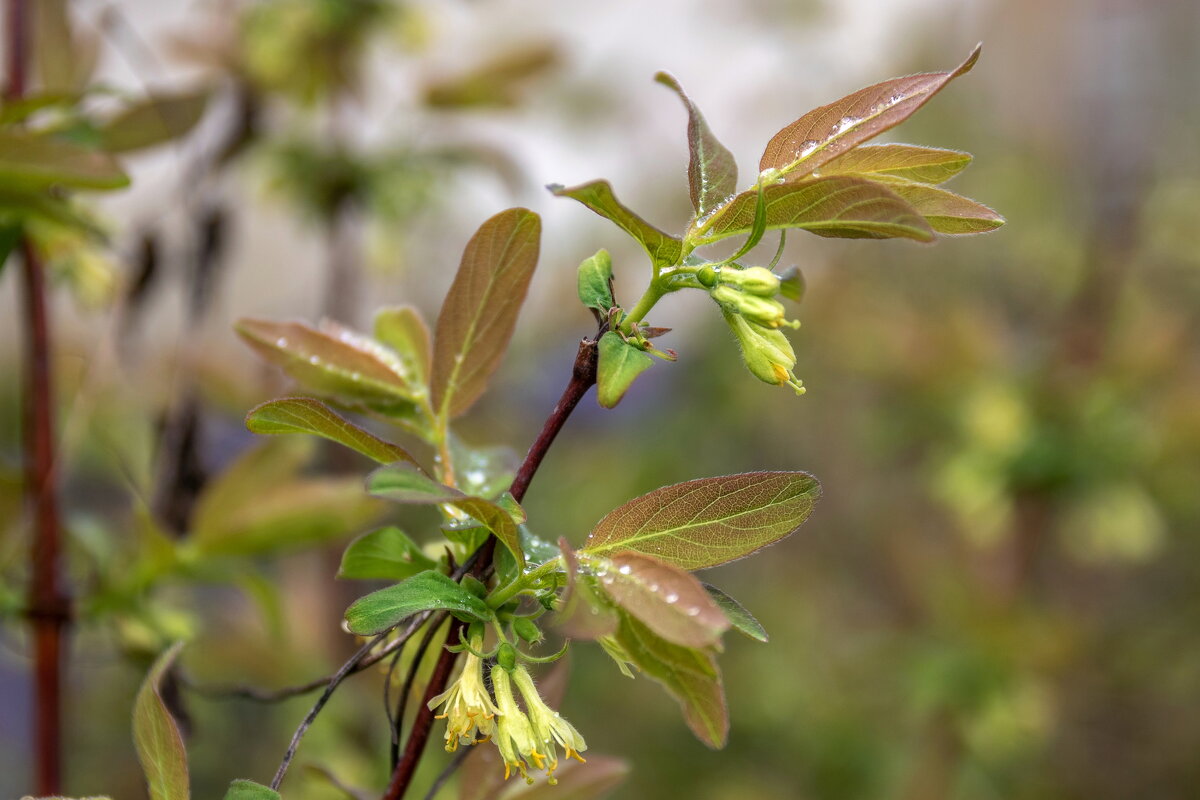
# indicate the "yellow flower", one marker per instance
pixel 467 708
pixel 766 352
pixel 548 725
pixel 514 733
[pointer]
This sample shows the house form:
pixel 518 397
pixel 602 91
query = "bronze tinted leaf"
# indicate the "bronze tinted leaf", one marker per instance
pixel 827 132
pixel 921 164
pixel 668 600
pixel 33 161
pixel 156 736
pixel 480 311
pixel 712 170
pixel 306 415
pixel 664 250
pixel 710 521
pixel 945 211
pixel 404 331
pixel 153 121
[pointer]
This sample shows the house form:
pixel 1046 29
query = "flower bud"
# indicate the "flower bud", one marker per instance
pixel 758 281
pixel 766 352
pixel 707 276
pixel 506 656
pixel 527 629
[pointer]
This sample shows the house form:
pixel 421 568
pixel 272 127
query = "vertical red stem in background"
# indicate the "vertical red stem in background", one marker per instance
pixel 48 608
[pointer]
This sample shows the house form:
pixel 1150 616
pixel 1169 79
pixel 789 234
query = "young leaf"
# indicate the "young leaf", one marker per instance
pixel 791 284
pixel 386 554
pixel 710 521
pixel 426 591
pixel 481 308
pixel 581 613
pixel 840 206
pixel 825 133
pixel 242 789
pixel 664 250
pixel 922 164
pixel 595 282
pixel 667 600
pixel 328 364
pixel 737 614
pixel 156 737
pixel 945 211
pixel 153 121
pixel 691 676
pixel 33 161
pixel 620 364
pixel 712 170
pixel 404 484
pixel 305 415
pixel 404 331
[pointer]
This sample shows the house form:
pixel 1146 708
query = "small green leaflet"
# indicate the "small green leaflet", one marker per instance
pixel 426 591
pixel 664 250
pixel 306 415
pixel 595 282
pixel 620 364
pixel 946 212
pixel 405 332
pixel 242 789
pixel 738 616
pixel 385 554
pixel 156 737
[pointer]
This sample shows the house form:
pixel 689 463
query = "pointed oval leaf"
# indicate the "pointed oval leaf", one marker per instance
pixel 426 591
pixel 33 161
pixel 945 211
pixel 404 330
pixel 385 554
pixel 242 789
pixel 827 132
pixel 667 600
pixel 153 121
pixel 736 613
pixel 710 521
pixel 664 250
pixel 712 169
pixel 839 206
pixel 481 308
pixel 156 736
pixel 922 164
pixel 595 282
pixel 620 364
pixel 305 415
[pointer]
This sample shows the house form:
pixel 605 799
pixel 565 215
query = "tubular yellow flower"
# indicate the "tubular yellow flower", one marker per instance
pixel 548 725
pixel 766 352
pixel 467 708
pixel 514 733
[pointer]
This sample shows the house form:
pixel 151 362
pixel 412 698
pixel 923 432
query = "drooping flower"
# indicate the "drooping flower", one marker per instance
pixel 467 707
pixel 514 732
pixel 548 725
pixel 766 352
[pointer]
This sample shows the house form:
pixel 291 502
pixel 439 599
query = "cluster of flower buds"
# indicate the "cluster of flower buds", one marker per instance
pixel 747 300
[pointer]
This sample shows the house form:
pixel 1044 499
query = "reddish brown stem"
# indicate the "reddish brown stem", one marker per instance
pixel 48 609
pixel 583 377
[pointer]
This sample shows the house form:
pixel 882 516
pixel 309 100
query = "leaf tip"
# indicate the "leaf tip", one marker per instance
pixel 967 65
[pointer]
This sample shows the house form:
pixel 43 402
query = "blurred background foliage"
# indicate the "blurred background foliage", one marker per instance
pixel 998 596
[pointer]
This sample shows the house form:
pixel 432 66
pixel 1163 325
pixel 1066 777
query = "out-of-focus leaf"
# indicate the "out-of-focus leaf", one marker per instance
pixel 690 676
pixel 945 211
pixel 664 250
pixel 667 600
pixel 827 132
pixel 710 521
pixel 10 237
pixel 242 789
pixel 840 206
pixel 495 83
pixel 305 415
pixel 581 613
pixel 386 554
pixel 330 363
pixel 33 161
pixel 156 737
pixel 921 164
pixel 791 284
pixel 404 330
pixel 480 312
pixel 404 484
pixel 426 591
pixel 483 471
pixel 590 781
pixel 620 364
pixel 65 59
pixel 736 613
pixel 712 169
pixel 153 121
pixel 20 110
pixel 595 282
pixel 17 205
pixel 268 463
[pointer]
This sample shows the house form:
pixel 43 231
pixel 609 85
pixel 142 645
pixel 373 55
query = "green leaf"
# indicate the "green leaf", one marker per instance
pixel 405 332
pixel 827 132
pixel 736 613
pixel 481 308
pixel 153 121
pixel 386 554
pixel 921 164
pixel 710 521
pixel 791 284
pixel 839 206
pixel 712 170
pixel 426 591
pixel 242 789
pixel 334 361
pixel 33 161
pixel 664 250
pixel 156 737
pixel 404 484
pixel 620 364
pixel 945 211
pixel 305 415
pixel 667 600
pixel 18 205
pixel 595 282
pixel 690 676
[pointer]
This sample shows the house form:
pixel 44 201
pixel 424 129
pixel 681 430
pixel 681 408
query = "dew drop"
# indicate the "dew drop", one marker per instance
pixel 653 587
pixel 806 148
pixel 625 569
pixel 314 360
pixel 896 98
pixel 281 342
pixel 693 612
pixel 671 597
pixel 606 579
